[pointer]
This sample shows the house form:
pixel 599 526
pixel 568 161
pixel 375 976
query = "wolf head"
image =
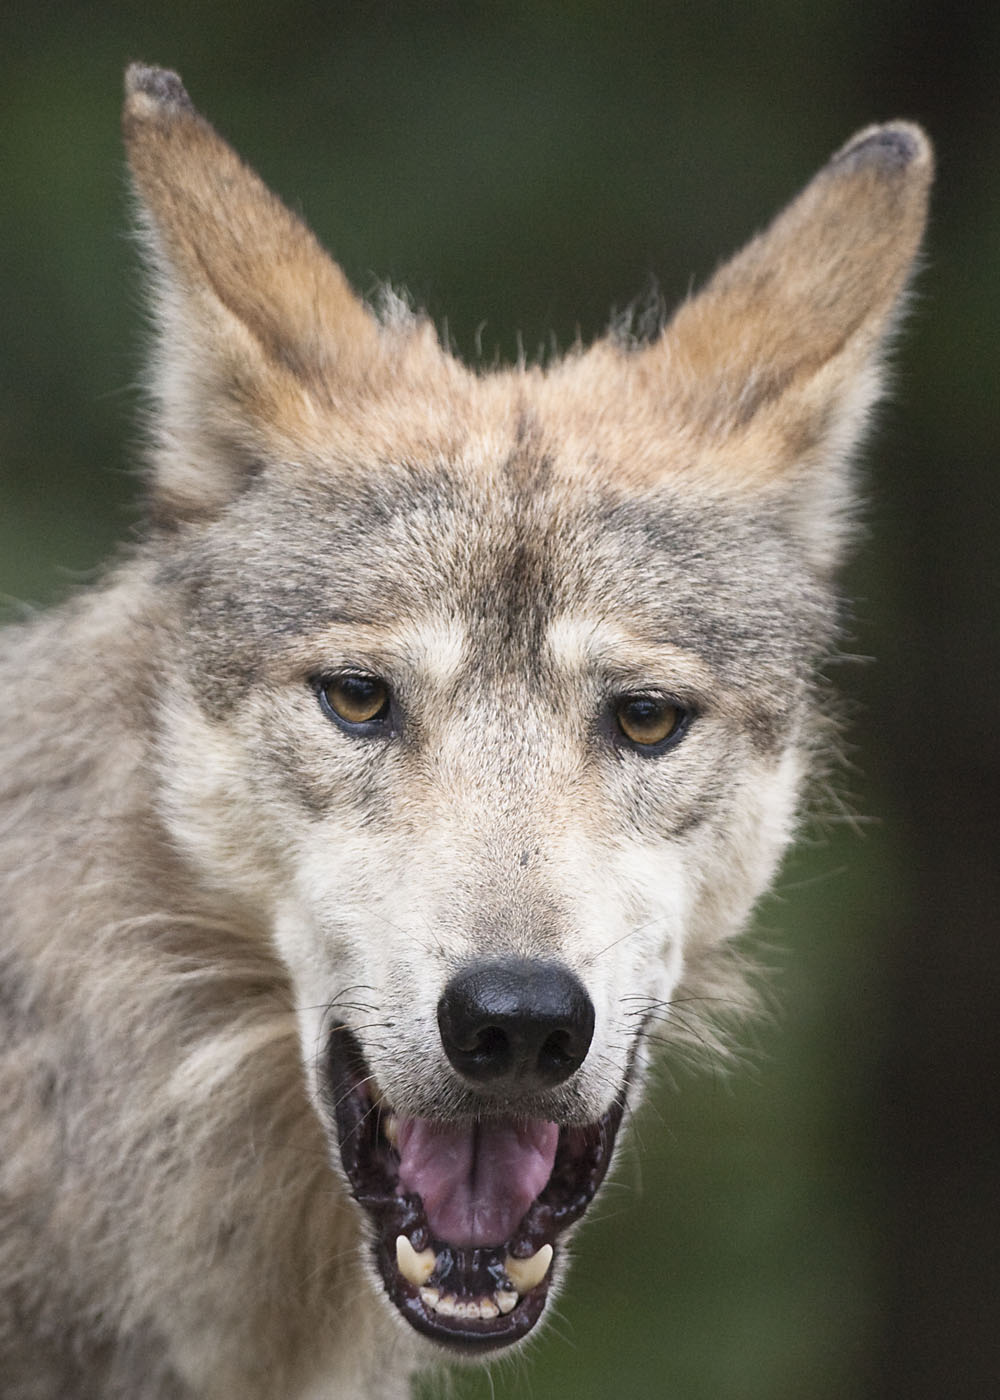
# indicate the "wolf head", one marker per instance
pixel 493 693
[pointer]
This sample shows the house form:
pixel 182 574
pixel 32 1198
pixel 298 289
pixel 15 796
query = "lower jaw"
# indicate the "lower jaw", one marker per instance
pixel 468 1304
pixel 469 1300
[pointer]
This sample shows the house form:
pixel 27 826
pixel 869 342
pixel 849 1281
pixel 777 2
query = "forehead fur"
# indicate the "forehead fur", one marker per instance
pixel 492 530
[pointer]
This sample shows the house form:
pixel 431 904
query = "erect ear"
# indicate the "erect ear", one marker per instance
pixel 775 364
pixel 258 326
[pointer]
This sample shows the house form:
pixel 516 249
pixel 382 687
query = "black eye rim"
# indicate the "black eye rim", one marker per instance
pixel 685 717
pixel 379 725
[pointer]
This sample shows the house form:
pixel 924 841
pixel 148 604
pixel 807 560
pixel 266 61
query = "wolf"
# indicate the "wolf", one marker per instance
pixel 361 829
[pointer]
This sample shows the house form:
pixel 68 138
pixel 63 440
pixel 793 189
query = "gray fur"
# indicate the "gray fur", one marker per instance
pixel 199 870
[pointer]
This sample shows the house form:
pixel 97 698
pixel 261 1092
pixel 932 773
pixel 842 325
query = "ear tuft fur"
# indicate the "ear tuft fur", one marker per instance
pixel 773 367
pixel 258 327
pixel 896 145
pixel 148 88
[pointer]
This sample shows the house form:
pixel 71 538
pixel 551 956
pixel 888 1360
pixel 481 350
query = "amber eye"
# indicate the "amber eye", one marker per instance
pixel 354 700
pixel 650 721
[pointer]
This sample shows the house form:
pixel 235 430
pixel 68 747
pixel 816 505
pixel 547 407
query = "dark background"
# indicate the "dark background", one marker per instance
pixel 821 1225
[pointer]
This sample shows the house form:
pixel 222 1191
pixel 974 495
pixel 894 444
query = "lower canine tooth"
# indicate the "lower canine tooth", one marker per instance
pixel 505 1299
pixel 525 1274
pixel 415 1268
pixel 430 1296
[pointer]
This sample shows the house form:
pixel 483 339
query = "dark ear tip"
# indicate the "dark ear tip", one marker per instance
pixel 158 86
pixel 890 149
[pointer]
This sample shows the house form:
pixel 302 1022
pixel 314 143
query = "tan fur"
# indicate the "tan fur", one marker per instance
pixel 198 870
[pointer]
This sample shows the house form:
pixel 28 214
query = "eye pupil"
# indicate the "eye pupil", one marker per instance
pixel 648 720
pixel 355 699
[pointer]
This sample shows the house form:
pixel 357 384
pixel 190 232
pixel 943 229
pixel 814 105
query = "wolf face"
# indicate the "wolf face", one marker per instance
pixel 499 758
pixel 504 681
pixel 479 703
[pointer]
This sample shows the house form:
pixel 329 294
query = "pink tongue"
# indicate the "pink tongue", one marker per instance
pixel 476 1180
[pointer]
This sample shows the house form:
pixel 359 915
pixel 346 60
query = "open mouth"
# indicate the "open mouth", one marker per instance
pixel 467 1216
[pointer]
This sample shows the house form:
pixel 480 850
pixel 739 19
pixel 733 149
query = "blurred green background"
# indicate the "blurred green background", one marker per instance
pixel 822 1224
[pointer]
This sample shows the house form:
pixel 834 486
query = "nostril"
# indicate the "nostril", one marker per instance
pixel 486 1053
pixel 491 1043
pixel 558 1050
pixel 522 1023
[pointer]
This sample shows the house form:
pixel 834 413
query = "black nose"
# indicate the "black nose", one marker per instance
pixel 516 1023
